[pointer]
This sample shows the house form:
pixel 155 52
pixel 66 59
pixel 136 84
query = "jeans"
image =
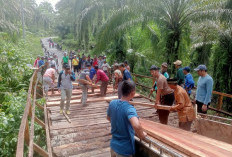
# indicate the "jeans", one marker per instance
pixel 66 94
pixel 114 154
pixel 120 89
pixel 84 94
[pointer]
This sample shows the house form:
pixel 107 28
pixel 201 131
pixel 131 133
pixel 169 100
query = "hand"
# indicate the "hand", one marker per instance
pixel 204 108
pixel 172 109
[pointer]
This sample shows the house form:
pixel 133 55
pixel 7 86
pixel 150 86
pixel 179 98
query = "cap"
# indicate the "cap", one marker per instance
pixel 67 67
pixel 187 69
pixel 172 81
pixel 201 67
pixel 88 65
pixel 178 62
pixel 153 67
pixel 165 65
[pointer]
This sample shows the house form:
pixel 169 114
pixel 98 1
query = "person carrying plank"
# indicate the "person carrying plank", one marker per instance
pixel 164 96
pixel 183 105
pixel 49 79
pixel 101 76
pixel 84 75
pixel 65 87
pixel 124 123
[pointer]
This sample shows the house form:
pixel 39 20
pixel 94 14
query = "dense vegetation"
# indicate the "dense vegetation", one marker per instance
pixel 15 54
pixel 144 32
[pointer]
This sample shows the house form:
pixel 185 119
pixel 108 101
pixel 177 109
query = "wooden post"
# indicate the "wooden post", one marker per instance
pixel 220 102
pixel 135 79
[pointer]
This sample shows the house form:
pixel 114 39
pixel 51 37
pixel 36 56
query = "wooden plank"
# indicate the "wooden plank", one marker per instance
pixel 186 142
pixel 223 94
pixel 48 139
pixel 20 143
pixel 66 116
pixel 160 107
pixel 220 111
pixel 40 151
pixel 41 107
pixel 213 129
pixel 220 101
pixel 31 151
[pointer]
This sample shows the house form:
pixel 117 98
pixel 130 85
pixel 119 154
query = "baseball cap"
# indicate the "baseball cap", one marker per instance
pixel 153 67
pixel 201 67
pixel 187 69
pixel 165 65
pixel 67 67
pixel 178 62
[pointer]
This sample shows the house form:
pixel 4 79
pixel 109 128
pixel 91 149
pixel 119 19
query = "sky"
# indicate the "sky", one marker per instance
pixel 53 2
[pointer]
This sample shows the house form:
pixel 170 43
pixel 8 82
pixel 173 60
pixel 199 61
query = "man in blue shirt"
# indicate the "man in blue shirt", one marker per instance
pixel 204 89
pixel 124 123
pixel 126 76
pixel 41 62
pixel 189 82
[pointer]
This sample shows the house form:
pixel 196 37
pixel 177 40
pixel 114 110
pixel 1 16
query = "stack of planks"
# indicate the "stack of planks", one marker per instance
pixel 186 142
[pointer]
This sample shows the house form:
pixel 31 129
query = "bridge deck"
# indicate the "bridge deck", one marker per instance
pixel 88 134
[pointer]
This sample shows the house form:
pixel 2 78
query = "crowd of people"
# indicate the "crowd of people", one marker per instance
pixel 124 120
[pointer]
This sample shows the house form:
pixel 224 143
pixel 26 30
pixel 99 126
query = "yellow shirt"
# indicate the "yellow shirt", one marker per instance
pixel 75 62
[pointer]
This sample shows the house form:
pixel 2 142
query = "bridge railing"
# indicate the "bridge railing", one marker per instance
pixel 26 133
pixel 220 95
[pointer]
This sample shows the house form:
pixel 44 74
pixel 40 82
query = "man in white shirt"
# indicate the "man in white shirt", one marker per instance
pixel 106 67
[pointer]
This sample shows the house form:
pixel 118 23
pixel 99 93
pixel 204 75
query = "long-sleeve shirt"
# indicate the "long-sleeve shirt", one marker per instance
pixel 41 62
pixel 101 76
pixel 189 83
pixel 204 89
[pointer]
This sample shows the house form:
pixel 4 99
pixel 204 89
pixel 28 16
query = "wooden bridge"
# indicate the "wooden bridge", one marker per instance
pixel 86 132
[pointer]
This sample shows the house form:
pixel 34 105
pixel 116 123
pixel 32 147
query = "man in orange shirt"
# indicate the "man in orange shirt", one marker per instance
pixel 183 105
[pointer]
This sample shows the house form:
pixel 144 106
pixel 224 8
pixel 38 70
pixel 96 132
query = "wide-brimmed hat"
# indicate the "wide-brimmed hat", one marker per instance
pixel 165 65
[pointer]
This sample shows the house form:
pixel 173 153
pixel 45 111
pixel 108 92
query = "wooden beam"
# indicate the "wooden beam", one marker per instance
pixel 220 111
pixel 186 142
pixel 40 151
pixel 41 107
pixel 160 107
pixel 48 139
pixel 220 101
pixel 223 94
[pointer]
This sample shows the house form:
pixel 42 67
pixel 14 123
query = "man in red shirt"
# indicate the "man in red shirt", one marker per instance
pixel 101 76
pixel 36 63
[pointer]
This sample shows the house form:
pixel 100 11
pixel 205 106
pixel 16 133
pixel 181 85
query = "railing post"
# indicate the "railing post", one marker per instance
pixel 220 102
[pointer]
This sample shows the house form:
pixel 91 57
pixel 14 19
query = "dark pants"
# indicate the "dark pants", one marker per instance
pixel 185 125
pixel 120 89
pixel 103 88
pixel 199 107
pixel 76 68
pixel 166 100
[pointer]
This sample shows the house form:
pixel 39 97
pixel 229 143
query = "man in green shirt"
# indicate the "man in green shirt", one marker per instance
pixel 179 74
pixel 65 59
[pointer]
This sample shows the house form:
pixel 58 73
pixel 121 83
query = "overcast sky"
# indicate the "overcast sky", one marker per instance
pixel 53 2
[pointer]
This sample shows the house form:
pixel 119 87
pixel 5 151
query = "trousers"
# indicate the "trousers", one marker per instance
pixel 103 88
pixel 84 94
pixel 66 94
pixel 114 154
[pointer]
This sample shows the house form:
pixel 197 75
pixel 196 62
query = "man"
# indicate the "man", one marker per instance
pixel 49 79
pixel 53 62
pixel 36 63
pixel 189 82
pixel 204 89
pixel 164 96
pixel 42 70
pixel 84 75
pixel 117 76
pixel 179 73
pixel 101 76
pixel 126 65
pixel 65 87
pixel 92 73
pixel 106 67
pixel 100 62
pixel 183 106
pixel 65 59
pixel 124 123
pixel 164 68
pixel 75 64
pixel 126 76
pixel 41 62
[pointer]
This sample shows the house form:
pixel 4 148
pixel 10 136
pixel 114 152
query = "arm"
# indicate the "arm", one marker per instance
pixel 209 89
pixel 72 77
pixel 137 127
pixel 88 78
pixel 179 103
pixel 157 98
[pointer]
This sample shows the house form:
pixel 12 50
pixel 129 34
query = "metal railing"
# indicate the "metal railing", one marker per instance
pixel 26 134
